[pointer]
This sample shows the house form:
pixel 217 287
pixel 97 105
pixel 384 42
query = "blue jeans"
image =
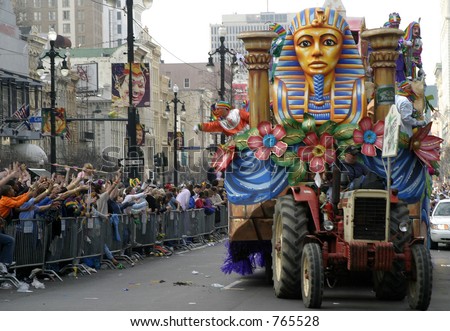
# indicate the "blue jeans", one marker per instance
pixel 6 248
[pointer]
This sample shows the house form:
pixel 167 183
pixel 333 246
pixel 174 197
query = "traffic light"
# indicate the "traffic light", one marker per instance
pixel 157 160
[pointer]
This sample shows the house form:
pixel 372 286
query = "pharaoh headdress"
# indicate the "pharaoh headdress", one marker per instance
pixel 346 102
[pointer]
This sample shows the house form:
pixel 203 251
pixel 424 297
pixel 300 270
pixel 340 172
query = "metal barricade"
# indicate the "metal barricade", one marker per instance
pixel 62 237
pixel 91 237
pixel 223 217
pixel 116 234
pixel 124 229
pixel 40 243
pixel 145 232
pixel 197 222
pixel 30 242
pixel 192 224
pixel 172 225
pixel 209 223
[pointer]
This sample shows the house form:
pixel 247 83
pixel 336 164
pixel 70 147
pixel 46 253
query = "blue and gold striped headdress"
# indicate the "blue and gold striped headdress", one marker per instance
pixel 318 17
pixel 345 107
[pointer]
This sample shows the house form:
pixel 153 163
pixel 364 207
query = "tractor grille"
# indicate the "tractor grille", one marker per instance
pixel 370 219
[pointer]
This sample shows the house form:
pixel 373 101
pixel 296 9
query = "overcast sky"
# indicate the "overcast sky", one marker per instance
pixel 181 27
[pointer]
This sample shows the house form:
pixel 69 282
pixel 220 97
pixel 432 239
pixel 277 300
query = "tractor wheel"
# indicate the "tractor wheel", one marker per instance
pixel 433 245
pixel 312 275
pixel 288 233
pixel 399 214
pixel 421 278
pixel 392 285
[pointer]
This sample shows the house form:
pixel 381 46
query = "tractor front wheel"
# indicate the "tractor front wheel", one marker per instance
pixel 421 278
pixel 290 227
pixel 312 275
pixel 392 285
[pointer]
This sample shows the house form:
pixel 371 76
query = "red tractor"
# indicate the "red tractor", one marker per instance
pixel 274 170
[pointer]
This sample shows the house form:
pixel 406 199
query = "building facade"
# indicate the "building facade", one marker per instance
pixel 197 90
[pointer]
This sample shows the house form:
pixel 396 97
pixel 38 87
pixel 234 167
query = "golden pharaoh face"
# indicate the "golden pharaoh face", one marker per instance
pixel 318 49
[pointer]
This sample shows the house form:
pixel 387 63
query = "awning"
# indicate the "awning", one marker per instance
pixel 39 172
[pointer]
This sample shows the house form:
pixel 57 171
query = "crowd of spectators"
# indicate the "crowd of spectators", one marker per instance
pixel 439 193
pixel 75 192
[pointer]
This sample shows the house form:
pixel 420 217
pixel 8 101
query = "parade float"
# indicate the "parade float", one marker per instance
pixel 302 116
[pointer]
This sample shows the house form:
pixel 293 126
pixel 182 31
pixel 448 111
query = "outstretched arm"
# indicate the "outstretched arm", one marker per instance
pixel 210 127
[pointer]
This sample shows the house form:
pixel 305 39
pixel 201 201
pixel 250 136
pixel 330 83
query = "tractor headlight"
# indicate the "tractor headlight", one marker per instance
pixel 403 226
pixel 328 225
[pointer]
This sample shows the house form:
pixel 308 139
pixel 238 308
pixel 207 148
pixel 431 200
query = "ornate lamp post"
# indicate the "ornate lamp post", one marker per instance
pixel 175 102
pixel 52 54
pixel 222 51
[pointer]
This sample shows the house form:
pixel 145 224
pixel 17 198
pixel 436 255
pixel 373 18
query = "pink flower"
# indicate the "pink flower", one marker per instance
pixel 370 136
pixel 425 146
pixel 317 152
pixel 223 157
pixel 268 141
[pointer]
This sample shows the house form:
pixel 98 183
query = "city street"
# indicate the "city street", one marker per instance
pixel 192 281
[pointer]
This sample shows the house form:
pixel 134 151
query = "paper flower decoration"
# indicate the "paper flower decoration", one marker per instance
pixel 370 136
pixel 267 141
pixel 426 146
pixel 223 156
pixel 317 151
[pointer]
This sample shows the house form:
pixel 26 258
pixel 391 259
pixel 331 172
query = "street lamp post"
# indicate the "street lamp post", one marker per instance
pixel 52 54
pixel 222 51
pixel 175 144
pixel 132 141
pixel 132 115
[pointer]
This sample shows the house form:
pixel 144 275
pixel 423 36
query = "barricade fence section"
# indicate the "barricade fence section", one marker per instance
pixel 67 242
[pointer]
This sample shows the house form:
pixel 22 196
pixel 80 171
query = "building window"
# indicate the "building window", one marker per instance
pixel 81 28
pixel 119 29
pixel 119 16
pixel 51 3
pixel 66 3
pixel 186 83
pixel 80 15
pixel 81 41
pixel 52 16
pixel 66 15
pixel 80 2
pixel 37 3
pixel 37 16
pixel 66 28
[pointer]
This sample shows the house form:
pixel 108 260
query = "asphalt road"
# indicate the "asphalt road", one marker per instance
pixel 192 281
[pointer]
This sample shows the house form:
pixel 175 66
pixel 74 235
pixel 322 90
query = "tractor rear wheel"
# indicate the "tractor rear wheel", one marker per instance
pixel 421 278
pixel 312 275
pixel 290 227
pixel 392 285
pixel 268 274
pixel 433 245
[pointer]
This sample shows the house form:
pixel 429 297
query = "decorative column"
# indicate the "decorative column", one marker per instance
pixel 383 42
pixel 249 222
pixel 257 44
